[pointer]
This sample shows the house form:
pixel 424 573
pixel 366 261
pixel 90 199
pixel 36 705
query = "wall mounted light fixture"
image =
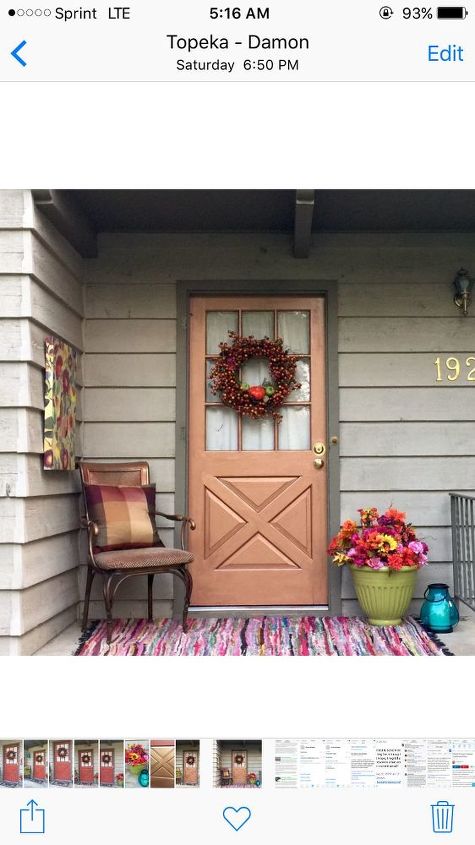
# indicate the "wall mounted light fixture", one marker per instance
pixel 463 286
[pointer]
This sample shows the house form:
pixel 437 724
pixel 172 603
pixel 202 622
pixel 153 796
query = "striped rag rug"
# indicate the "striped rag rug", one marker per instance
pixel 260 636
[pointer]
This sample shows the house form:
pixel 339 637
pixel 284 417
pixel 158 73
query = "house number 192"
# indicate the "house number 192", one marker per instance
pixel 452 369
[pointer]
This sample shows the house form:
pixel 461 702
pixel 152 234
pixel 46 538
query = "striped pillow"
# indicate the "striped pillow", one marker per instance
pixel 124 516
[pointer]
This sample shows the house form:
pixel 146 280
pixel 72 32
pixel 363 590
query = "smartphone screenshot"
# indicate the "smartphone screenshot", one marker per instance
pixel 237 410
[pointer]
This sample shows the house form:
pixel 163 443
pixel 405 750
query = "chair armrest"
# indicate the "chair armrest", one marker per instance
pixel 186 522
pixel 91 526
pixel 177 517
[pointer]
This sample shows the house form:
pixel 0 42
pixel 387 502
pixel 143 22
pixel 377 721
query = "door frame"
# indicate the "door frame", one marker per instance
pixel 328 290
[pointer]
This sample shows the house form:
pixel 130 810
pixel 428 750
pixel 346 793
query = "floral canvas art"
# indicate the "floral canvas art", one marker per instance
pixel 60 405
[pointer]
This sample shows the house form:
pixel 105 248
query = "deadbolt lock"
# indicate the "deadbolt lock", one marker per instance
pixel 319 448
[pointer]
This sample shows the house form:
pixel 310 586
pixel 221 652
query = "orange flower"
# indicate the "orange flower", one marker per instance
pixel 397 516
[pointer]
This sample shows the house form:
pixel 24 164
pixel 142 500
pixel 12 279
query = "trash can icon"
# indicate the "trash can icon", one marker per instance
pixel 442 817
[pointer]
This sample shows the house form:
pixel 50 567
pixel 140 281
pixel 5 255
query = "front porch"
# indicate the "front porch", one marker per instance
pixel 110 273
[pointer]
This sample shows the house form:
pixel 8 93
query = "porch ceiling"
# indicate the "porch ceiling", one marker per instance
pixel 266 210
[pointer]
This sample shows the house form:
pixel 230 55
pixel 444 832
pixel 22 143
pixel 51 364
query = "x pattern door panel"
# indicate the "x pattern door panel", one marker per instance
pixel 163 766
pixel 258 499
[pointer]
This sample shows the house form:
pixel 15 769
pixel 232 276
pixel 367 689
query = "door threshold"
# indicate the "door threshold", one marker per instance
pixel 261 610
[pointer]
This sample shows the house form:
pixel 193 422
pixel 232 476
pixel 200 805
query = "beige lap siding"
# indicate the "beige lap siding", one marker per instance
pixel 405 440
pixel 40 294
pixel 129 407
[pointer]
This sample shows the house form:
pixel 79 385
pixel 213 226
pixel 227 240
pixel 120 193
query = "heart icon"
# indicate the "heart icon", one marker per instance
pixel 236 817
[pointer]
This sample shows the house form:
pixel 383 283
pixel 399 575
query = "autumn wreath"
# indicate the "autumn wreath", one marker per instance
pixel 239 759
pixel 255 400
pixel 62 752
pixel 11 755
pixel 106 758
pixel 86 759
pixel 190 760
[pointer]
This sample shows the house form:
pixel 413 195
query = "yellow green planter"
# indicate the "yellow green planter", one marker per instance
pixel 384 594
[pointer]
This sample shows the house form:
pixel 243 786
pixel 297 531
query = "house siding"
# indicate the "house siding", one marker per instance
pixel 40 293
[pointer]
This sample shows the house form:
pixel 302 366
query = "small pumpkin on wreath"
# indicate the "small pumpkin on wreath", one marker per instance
pixel 11 755
pixel 257 400
pixel 190 760
pixel 239 759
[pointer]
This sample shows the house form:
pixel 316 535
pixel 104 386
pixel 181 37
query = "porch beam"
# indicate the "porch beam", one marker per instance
pixel 68 218
pixel 304 208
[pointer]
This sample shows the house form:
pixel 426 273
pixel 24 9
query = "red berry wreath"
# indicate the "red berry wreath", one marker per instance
pixel 255 400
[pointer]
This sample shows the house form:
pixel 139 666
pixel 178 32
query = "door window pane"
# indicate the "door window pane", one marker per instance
pixel 258 323
pixel 218 324
pixel 257 435
pixel 210 396
pixel 221 430
pixel 302 375
pixel 294 429
pixel 293 328
pixel 255 371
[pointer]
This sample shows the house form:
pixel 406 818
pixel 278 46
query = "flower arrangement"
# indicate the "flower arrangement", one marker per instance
pixel 120 779
pixel 136 755
pixel 380 541
pixel 255 400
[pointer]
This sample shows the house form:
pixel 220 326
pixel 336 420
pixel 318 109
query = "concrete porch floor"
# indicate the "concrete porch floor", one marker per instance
pixel 461 642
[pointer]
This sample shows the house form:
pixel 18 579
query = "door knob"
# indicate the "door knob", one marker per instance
pixel 318 463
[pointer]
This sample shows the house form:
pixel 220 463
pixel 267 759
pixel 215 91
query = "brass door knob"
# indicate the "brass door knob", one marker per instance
pixel 318 463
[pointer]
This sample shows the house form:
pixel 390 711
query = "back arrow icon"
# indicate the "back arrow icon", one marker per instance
pixel 16 51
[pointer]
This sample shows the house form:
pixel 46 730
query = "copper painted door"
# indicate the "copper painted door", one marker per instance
pixel 239 768
pixel 107 766
pixel 163 766
pixel 11 763
pixel 86 766
pixel 62 761
pixel 255 491
pixel 39 765
pixel 190 767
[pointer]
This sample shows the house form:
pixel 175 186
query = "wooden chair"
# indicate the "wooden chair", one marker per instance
pixel 225 778
pixel 116 566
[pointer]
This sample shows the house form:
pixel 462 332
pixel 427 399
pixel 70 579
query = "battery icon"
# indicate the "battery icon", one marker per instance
pixel 451 13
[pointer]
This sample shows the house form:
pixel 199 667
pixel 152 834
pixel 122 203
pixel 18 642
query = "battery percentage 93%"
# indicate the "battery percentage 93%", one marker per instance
pixel 417 13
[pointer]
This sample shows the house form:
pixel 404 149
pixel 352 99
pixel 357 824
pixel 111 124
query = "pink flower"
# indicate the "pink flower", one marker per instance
pixel 375 563
pixel 417 547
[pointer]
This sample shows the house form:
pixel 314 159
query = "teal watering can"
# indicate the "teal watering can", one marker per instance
pixel 438 611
